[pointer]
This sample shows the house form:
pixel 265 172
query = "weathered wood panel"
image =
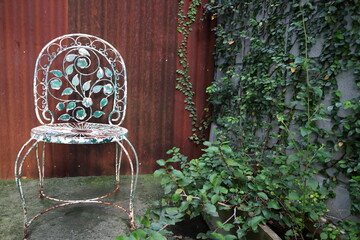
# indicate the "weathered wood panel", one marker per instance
pixel 25 27
pixel 145 34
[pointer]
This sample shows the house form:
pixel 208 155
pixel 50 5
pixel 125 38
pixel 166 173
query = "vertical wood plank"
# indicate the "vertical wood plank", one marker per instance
pixel 25 27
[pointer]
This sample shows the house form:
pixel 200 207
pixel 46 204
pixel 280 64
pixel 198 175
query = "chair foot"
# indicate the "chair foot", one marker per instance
pixel 132 224
pixel 26 227
pixel 41 194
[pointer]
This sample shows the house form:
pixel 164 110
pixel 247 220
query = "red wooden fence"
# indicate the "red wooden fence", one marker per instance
pixel 145 34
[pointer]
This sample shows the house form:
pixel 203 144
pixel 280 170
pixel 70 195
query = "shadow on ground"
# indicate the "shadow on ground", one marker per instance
pixel 82 221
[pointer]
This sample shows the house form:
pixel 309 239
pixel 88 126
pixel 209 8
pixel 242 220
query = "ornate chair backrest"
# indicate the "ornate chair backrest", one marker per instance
pixel 80 78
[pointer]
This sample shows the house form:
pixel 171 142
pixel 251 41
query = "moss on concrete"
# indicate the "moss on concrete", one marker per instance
pixel 83 221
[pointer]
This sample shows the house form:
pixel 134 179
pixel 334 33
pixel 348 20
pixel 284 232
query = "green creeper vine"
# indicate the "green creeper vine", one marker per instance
pixel 185 21
pixel 286 136
pixel 263 50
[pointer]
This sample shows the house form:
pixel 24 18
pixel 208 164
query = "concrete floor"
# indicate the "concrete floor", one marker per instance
pixel 83 221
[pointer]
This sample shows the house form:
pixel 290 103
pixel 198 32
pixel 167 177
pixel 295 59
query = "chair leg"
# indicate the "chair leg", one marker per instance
pixel 134 176
pixel 41 166
pixel 18 174
pixel 22 155
pixel 118 160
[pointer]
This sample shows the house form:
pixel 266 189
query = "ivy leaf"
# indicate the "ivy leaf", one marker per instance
pixel 172 211
pixel 254 222
pixel 156 235
pixel 70 106
pixel 314 215
pixel 64 117
pixel 57 73
pixel 312 183
pixel 108 72
pixel 69 70
pixel 86 85
pixel 231 162
pixel 337 93
pixel 215 198
pixel 226 148
pixel 273 204
pixel 323 235
pixel 67 91
pixel 103 102
pixel 304 131
pixel 339 35
pixel 100 73
pixel 161 162
pixel 97 88
pixel 56 84
pixel 318 92
pixel 299 60
pixel 293 195
pixel 159 172
pixel 263 195
pixel 75 80
pixel 80 114
pixel 293 158
pixel 211 209
pixel 98 114
pixel 60 106
pixel 70 57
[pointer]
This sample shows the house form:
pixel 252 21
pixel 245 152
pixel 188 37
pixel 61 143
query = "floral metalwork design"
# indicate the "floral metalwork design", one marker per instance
pixel 77 77
pixel 80 91
pixel 78 133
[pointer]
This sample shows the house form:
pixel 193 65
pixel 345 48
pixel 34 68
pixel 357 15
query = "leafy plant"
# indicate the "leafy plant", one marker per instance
pixel 270 101
pixel 282 123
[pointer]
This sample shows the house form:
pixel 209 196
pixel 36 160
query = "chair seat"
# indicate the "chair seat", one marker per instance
pixel 78 133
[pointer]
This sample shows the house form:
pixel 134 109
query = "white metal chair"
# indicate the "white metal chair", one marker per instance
pixel 80 91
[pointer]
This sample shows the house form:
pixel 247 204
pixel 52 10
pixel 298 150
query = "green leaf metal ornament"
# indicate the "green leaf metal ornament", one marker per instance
pixel 69 69
pixel 67 91
pixel 103 102
pixel 81 63
pixel 108 72
pixel 64 117
pixel 75 80
pixel 86 85
pixel 57 73
pixel 70 57
pixel 100 73
pixel 81 114
pixel 60 106
pixel 56 84
pixel 84 52
pixel 108 89
pixel 70 106
pixel 97 88
pixel 98 114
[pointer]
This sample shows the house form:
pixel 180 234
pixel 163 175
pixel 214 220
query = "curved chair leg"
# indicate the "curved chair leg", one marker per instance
pixel 40 163
pixel 41 166
pixel 134 176
pixel 18 174
pixel 118 160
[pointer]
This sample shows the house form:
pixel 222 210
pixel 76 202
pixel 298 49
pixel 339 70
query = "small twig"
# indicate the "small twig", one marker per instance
pixel 165 226
pixel 227 220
